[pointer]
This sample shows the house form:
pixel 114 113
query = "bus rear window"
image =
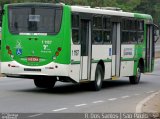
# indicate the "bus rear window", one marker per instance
pixel 35 19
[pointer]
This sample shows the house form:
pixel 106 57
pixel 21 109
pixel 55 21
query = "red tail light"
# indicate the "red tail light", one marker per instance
pixel 59 49
pixel 57 53
pixel 9 52
pixel 7 47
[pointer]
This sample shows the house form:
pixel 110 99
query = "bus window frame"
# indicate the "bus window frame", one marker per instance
pixel 75 28
pixel 102 30
pixel 107 29
pixel 136 30
pixel 56 7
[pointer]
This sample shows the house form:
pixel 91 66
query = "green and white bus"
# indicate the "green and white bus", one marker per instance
pixel 58 42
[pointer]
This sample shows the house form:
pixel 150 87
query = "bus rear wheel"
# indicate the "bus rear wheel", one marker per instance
pixel 44 83
pixel 135 79
pixel 99 76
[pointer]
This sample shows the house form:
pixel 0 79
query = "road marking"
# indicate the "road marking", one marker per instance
pixel 123 97
pixel 150 92
pixel 79 105
pixel 35 115
pixel 99 101
pixel 59 109
pixel 112 99
pixel 136 94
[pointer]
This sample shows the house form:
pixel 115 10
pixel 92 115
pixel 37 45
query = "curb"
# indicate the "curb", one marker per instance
pixel 142 103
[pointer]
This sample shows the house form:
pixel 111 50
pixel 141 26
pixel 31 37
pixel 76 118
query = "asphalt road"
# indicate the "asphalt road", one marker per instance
pixel 20 95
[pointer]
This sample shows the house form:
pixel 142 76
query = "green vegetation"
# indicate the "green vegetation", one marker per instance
pixel 142 6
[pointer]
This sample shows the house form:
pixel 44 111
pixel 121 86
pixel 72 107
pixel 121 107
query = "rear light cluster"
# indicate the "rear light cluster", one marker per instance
pixel 59 49
pixel 9 50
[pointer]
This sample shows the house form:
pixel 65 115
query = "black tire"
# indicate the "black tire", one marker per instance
pixel 44 83
pixel 99 76
pixel 136 79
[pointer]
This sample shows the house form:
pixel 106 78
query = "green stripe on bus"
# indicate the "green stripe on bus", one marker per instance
pixel 142 16
pixel 128 59
pixel 93 61
pixel 96 61
pixel 75 62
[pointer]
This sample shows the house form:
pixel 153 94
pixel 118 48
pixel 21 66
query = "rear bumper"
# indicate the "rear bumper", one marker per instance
pixel 13 68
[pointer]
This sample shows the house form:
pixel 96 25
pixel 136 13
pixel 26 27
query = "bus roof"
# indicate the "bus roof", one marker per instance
pixel 87 9
pixel 97 10
pixel 33 4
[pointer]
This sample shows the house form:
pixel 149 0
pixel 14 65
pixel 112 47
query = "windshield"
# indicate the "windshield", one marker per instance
pixel 37 19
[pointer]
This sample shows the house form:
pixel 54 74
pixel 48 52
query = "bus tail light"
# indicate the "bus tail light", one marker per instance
pixel 9 52
pixel 57 53
pixel 7 47
pixel 59 49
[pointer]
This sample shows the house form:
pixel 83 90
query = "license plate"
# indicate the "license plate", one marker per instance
pixel 33 59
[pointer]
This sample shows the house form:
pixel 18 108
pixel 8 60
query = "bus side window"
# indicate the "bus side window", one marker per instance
pixel 107 30
pixel 129 31
pixel 140 31
pixel 75 29
pixel 97 36
pixel 97 29
pixel 125 30
pixel 133 37
pixel 58 18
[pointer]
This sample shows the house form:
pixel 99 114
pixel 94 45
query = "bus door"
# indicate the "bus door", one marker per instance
pixel 116 49
pixel 85 49
pixel 149 48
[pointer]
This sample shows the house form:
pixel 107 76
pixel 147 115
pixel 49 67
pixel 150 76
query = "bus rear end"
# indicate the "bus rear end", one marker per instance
pixel 35 41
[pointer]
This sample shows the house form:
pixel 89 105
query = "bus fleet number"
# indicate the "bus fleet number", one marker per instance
pixel 75 52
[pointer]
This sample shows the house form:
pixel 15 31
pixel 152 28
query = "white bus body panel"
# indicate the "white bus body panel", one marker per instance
pixel 101 52
pixel 127 51
pixel 127 67
pixel 18 69
pixel 84 67
pixel 75 71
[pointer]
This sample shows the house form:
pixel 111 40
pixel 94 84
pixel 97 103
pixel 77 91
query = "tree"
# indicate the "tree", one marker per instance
pixel 151 7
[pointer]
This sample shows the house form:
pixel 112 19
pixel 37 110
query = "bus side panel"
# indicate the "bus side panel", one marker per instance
pixel 74 71
pixel 104 53
pixel 140 54
pixel 4 55
pixel 127 62
pixel 127 68
pixel 65 57
pixel 75 51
